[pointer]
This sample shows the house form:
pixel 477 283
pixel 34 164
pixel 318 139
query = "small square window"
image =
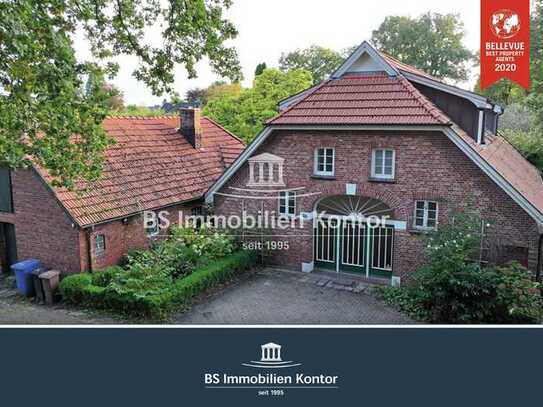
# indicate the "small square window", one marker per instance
pixel 324 161
pixel 425 215
pixel 383 163
pixel 287 203
pixel 99 243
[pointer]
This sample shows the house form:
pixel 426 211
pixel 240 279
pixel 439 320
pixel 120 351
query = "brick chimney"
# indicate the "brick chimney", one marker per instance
pixel 191 126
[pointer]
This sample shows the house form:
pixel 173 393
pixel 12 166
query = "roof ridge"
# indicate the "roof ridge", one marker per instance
pixel 426 103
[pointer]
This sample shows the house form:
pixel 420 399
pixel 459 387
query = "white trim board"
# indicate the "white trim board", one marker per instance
pixel 448 131
pixel 376 58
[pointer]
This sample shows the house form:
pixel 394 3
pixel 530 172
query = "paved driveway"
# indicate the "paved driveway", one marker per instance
pixel 284 297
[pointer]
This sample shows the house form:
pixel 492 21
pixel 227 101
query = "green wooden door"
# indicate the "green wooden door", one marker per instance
pixel 353 247
pixel 381 249
pixel 326 234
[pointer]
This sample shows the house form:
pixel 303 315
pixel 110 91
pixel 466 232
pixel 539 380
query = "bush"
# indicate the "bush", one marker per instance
pixel 149 294
pixel 453 288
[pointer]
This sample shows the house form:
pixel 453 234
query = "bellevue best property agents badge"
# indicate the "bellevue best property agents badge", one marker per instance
pixel 505 41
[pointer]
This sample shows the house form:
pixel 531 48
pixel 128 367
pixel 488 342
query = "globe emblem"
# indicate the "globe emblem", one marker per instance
pixel 505 23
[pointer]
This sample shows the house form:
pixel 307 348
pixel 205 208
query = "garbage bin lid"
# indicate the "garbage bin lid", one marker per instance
pixel 38 271
pixel 50 274
pixel 26 264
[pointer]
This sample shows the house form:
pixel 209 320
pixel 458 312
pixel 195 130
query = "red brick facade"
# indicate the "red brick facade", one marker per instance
pixel 428 166
pixel 44 230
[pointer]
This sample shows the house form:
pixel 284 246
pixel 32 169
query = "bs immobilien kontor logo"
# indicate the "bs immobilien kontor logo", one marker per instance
pixel 270 375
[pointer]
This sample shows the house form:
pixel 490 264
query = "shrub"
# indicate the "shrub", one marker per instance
pixel 151 294
pixel 452 288
pixel 518 297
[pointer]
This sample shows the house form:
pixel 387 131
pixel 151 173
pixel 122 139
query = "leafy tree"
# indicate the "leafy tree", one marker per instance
pixel 196 96
pixel 115 102
pixel 431 42
pixel 134 110
pixel 505 92
pixel 220 88
pixel 535 97
pixel 43 102
pixel 245 113
pixel 317 60
pixel 260 68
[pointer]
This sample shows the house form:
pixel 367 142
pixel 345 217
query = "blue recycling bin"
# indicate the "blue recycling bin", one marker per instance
pixel 23 275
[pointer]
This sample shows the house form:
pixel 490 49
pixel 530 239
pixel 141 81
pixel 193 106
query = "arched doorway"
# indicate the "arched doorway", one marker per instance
pixel 354 234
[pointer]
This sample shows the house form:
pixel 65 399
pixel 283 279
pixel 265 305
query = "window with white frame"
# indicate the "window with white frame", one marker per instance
pixel 382 163
pixel 425 215
pixel 324 161
pixel 287 203
pixel 99 244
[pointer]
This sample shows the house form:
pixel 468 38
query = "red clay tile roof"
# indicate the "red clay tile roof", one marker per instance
pixel 363 99
pixel 150 166
pixel 510 164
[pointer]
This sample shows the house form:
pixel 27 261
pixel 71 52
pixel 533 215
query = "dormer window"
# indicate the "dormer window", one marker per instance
pixel 383 163
pixel 324 161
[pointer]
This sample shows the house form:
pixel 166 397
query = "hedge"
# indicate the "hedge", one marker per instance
pixel 91 289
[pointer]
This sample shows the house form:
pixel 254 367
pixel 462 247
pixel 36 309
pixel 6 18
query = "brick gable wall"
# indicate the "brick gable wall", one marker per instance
pixel 428 166
pixel 42 229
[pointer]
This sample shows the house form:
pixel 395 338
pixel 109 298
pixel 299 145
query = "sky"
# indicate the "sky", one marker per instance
pixel 269 27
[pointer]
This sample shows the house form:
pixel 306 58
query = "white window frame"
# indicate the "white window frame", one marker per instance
pixel 316 162
pixel 425 215
pixel 374 175
pixel 286 198
pixel 97 249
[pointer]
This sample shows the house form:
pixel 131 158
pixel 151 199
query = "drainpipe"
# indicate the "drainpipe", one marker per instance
pixel 89 250
pixel 539 260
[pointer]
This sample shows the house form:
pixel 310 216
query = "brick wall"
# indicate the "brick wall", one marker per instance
pixel 121 237
pixel 42 229
pixel 428 166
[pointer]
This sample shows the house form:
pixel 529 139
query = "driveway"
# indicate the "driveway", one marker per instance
pixel 17 310
pixel 274 296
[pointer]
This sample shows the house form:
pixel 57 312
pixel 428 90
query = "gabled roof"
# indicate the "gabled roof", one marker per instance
pixel 357 97
pixel 150 166
pixel 363 98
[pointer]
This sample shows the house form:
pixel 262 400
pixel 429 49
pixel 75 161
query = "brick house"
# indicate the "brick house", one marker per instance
pixel 383 138
pixel 156 163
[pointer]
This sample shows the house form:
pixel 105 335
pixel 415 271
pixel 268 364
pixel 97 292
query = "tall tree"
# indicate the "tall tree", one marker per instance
pixel 244 114
pixel 196 96
pixel 431 42
pixel 535 97
pixel 260 68
pixel 42 98
pixel 317 60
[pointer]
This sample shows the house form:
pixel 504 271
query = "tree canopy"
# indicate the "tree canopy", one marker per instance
pixel 317 60
pixel 43 103
pixel 431 42
pixel 245 112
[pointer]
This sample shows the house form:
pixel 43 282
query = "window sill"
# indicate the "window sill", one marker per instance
pixel 384 180
pixel 414 231
pixel 324 177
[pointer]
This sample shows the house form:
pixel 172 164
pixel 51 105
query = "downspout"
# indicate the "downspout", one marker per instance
pixel 89 250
